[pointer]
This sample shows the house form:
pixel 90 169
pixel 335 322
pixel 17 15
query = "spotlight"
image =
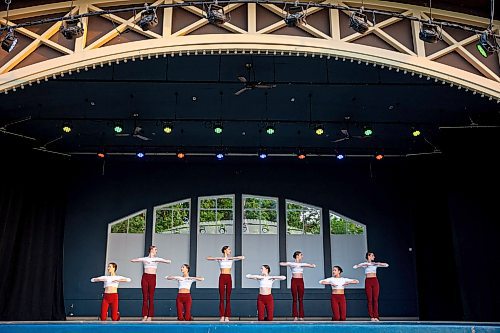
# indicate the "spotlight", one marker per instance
pixel 219 156
pixel 319 130
pixel 216 15
pixel 118 127
pixel 180 155
pixel 270 130
pixel 218 128
pixel 148 20
pixel 262 154
pixel 340 157
pixel 140 154
pixel 301 156
pixel 66 127
pixel 72 28
pixel 487 44
pixel 101 155
pixel 379 157
pixel 358 22
pixel 415 132
pixel 367 131
pixel 429 33
pixel 9 41
pixel 168 128
pixel 294 16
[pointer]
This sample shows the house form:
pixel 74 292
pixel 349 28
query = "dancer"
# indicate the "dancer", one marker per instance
pixel 372 287
pixel 184 300
pixel 148 281
pixel 297 270
pixel 338 298
pixel 265 299
pixel 110 296
pixel 225 281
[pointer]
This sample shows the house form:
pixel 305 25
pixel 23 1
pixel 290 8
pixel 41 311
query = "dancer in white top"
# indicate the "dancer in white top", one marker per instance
pixel 110 296
pixel 225 281
pixel 265 301
pixel 184 300
pixel 297 287
pixel 337 300
pixel 372 287
pixel 148 281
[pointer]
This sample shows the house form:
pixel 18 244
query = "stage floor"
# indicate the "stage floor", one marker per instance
pixel 242 326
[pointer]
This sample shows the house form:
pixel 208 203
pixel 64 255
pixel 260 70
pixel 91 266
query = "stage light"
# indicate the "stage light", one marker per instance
pixel 118 127
pixel 216 15
pixel 262 154
pixel 140 154
pixel 270 130
pixel 319 130
pixel 301 156
pixel 101 155
pixel 218 128
pixel 72 28
pixel 429 33
pixel 367 131
pixel 148 20
pixel 294 16
pixel 168 127
pixel 180 155
pixel 415 132
pixel 219 156
pixel 66 127
pixel 340 157
pixel 358 22
pixel 9 41
pixel 487 44
pixel 379 157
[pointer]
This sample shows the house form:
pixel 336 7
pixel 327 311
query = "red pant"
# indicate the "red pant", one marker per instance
pixel 338 306
pixel 183 302
pixel 265 302
pixel 298 295
pixel 225 287
pixel 107 300
pixel 372 289
pixel 148 284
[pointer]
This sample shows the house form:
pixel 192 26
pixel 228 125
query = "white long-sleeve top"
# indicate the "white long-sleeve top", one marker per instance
pixel 110 280
pixel 151 262
pixel 296 267
pixel 266 281
pixel 338 283
pixel 370 267
pixel 225 263
pixel 185 283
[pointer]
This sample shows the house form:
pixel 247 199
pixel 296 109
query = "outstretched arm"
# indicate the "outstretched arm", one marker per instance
pixel 381 264
pixel 214 258
pixel 99 279
pixel 309 265
pixel 254 277
pixel 137 260
pixel 237 258
pixel 363 264
pixel 122 279
pixel 174 277
pixel 196 278
pixel 165 261
pixel 352 281
pixel 285 263
pixel 324 281
pixel 278 277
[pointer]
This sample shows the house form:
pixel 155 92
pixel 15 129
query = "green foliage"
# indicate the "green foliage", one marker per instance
pixel 134 225
pixel 341 226
pixel 301 219
pixel 120 228
pixel 173 218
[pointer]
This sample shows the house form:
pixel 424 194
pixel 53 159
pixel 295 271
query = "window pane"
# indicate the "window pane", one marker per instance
pixel 225 215
pixel 251 214
pixel 224 203
pixel 293 206
pixel 354 229
pixel 207 216
pixel 337 225
pixel 294 222
pixel 137 224
pixel 207 203
pixel 251 203
pixel 163 221
pixel 268 204
pixel 180 221
pixel 119 228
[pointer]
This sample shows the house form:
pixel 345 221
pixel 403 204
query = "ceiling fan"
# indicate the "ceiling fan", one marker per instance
pixel 138 131
pixel 348 136
pixel 3 129
pixel 45 150
pixel 251 84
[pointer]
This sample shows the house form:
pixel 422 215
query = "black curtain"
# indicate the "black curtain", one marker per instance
pixel 32 212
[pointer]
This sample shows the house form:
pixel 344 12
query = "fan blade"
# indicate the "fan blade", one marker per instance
pixel 122 134
pixel 45 150
pixel 142 137
pixel 345 132
pixel 2 130
pixel 242 79
pixel 241 91
pixel 265 85
pixel 341 139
